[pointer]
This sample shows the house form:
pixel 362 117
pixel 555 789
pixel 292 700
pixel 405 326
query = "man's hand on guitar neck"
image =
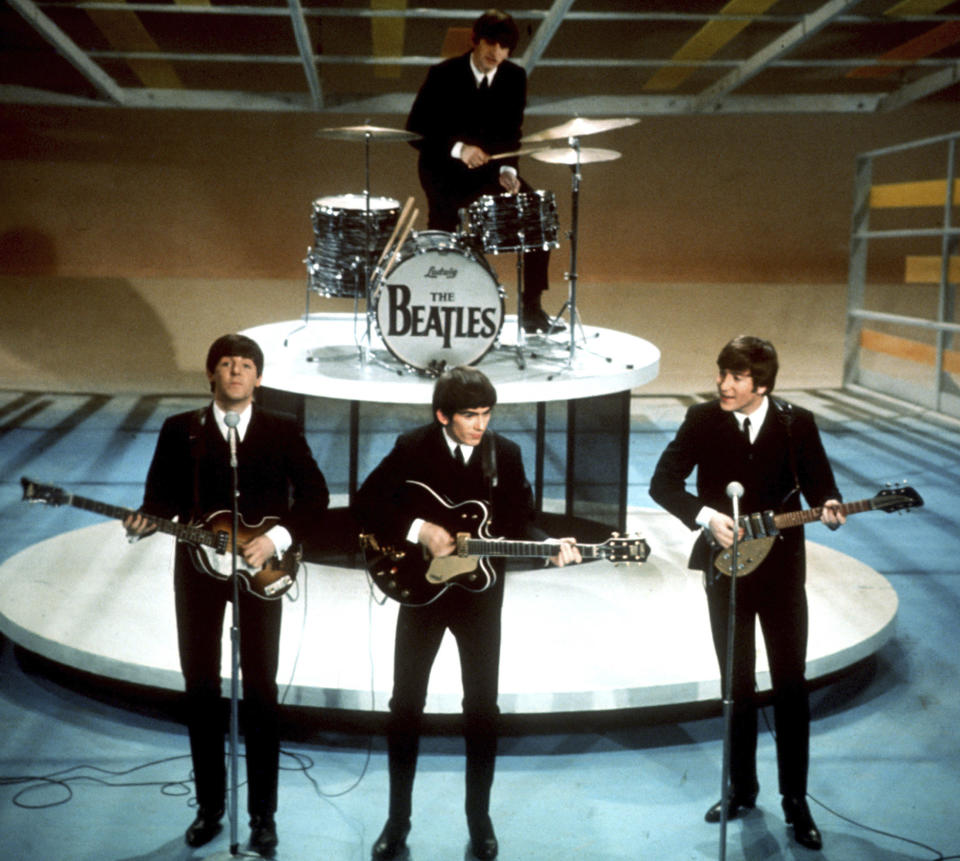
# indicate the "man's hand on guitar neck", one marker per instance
pixel 138 526
pixel 832 515
pixel 568 555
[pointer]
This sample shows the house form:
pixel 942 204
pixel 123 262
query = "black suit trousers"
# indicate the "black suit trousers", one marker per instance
pixel 201 601
pixel 780 604
pixel 474 621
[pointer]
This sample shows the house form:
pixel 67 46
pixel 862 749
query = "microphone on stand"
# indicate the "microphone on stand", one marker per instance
pixel 231 420
pixel 734 490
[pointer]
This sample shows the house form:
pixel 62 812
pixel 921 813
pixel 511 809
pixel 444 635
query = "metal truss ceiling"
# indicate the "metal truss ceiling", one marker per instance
pixel 584 57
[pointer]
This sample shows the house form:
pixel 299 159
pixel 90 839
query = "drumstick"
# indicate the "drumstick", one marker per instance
pixel 403 238
pixel 525 151
pixel 396 227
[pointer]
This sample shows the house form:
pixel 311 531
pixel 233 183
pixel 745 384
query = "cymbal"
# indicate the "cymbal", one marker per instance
pixel 360 133
pixel 568 155
pixel 577 127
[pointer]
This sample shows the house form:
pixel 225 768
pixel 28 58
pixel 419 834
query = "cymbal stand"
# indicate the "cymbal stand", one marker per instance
pixel 575 178
pixel 521 336
pixel 364 347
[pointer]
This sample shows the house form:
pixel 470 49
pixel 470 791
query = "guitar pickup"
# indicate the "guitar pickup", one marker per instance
pixel 280 585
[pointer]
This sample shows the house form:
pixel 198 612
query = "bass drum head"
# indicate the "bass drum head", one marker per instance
pixel 440 305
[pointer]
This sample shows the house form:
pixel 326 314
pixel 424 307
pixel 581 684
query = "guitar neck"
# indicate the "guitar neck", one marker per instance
pixel 183 531
pixel 798 518
pixel 528 549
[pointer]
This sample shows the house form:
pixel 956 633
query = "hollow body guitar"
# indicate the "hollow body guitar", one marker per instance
pixel 210 544
pixel 761 529
pixel 406 574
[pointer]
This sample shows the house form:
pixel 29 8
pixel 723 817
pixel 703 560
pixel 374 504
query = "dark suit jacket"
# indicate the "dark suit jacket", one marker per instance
pixel 386 505
pixel 278 476
pixel 448 108
pixel 710 441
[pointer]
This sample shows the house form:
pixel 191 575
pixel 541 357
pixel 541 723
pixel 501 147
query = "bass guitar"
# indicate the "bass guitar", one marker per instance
pixel 761 529
pixel 406 574
pixel 210 544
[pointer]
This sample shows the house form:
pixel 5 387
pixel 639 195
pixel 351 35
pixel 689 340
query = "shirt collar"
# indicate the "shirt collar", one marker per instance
pixel 244 423
pixel 452 444
pixel 756 418
pixel 478 76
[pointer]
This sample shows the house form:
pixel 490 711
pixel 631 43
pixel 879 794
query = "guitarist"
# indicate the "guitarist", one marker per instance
pixel 189 478
pixel 459 458
pixel 774 450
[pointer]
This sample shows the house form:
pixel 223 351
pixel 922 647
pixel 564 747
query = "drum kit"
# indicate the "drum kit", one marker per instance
pixel 432 296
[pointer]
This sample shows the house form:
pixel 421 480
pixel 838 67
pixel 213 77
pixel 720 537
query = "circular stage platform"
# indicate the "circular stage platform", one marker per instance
pixel 591 637
pixel 322 358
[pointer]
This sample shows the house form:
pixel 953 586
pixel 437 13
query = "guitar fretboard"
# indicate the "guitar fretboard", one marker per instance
pixel 183 531
pixel 540 549
pixel 798 518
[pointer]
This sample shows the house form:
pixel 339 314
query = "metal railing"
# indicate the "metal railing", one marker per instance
pixel 941 392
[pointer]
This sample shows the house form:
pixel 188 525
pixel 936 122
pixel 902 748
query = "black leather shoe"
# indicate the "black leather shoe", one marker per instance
pixel 735 804
pixel 797 814
pixel 536 321
pixel 263 835
pixel 204 828
pixel 392 842
pixel 483 842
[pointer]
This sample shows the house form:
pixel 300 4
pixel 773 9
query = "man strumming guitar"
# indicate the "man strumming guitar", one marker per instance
pixel 191 477
pixel 458 458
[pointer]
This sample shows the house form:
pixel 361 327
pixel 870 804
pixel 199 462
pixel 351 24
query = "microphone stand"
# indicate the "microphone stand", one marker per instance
pixel 232 419
pixel 734 491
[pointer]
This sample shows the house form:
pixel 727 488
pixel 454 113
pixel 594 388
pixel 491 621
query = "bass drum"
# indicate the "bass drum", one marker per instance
pixel 440 305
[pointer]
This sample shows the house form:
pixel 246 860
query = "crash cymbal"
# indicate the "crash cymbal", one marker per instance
pixel 578 127
pixel 366 132
pixel 568 155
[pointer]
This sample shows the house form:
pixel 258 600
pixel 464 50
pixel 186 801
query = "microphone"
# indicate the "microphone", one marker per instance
pixel 231 420
pixel 734 490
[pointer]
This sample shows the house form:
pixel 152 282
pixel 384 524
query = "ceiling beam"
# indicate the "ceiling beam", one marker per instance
pixel 302 36
pixel 796 35
pixel 921 88
pixel 69 50
pixel 544 34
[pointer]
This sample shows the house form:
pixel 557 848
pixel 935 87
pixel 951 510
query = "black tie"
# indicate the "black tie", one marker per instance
pixel 746 430
pixel 484 84
pixel 458 456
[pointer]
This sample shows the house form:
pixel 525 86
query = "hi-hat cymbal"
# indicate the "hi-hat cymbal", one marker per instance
pixel 568 155
pixel 577 127
pixel 367 132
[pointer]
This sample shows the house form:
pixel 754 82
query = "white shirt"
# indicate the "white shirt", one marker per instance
pixel 478 76
pixel 413 533
pixel 757 418
pixel 279 535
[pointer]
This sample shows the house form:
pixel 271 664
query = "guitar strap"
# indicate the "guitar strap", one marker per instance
pixel 198 449
pixel 784 411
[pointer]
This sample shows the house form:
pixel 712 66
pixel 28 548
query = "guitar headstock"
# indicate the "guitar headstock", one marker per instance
pixel 897 498
pixel 625 548
pixel 33 492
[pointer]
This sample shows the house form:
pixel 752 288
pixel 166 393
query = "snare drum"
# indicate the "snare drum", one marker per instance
pixel 340 226
pixel 513 222
pixel 440 305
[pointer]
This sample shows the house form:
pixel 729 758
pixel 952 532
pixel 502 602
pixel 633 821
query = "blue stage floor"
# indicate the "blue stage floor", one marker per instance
pixel 89 772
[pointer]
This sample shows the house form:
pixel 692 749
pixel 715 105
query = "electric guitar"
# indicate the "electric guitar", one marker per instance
pixel 210 544
pixel 761 529
pixel 407 574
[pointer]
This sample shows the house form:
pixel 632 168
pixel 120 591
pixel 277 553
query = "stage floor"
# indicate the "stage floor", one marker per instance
pixel 585 638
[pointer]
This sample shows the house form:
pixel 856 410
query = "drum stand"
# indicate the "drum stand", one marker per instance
pixel 521 335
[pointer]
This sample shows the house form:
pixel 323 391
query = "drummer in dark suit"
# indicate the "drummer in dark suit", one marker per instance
pixel 468 109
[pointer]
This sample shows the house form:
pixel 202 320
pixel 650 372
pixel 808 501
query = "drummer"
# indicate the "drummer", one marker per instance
pixel 469 108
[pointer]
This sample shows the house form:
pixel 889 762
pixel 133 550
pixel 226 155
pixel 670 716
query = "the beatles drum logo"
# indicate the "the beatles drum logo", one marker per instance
pixel 442 316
